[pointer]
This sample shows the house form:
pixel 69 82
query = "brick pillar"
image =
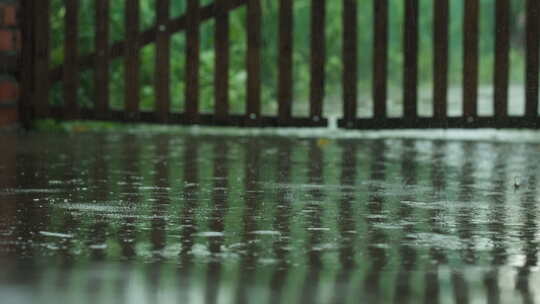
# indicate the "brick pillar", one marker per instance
pixel 10 44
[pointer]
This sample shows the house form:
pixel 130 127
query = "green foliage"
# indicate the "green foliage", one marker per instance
pixel 301 55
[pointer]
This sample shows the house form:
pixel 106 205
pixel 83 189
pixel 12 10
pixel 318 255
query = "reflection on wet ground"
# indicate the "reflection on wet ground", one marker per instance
pixel 122 218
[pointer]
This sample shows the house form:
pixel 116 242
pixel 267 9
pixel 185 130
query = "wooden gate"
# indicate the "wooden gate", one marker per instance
pixel 39 76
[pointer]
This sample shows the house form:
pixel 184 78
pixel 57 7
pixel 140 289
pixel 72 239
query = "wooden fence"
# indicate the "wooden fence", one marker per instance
pixel 39 76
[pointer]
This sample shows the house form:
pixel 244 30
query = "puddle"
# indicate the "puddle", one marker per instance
pixel 234 217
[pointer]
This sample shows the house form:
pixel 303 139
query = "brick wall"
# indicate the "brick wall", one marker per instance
pixel 10 44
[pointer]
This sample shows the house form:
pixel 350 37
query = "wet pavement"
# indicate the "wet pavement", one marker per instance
pixel 178 218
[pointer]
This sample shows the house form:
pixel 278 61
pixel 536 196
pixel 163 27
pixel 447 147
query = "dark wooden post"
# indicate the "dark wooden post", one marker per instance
pixel 470 58
pixel 132 60
pixel 163 61
pixel 410 53
pixel 532 66
pixel 101 75
pixel 317 59
pixel 253 62
pixel 71 54
pixel 11 12
pixel 285 61
pixel 192 60
pixel 440 58
pixel 41 35
pixel 502 46
pixel 221 73
pixel 350 49
pixel 380 57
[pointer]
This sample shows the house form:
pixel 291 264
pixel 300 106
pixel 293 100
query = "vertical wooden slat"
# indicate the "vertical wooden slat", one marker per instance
pixel 532 66
pixel 440 58
pixel 253 106
pixel 221 74
pixel 163 61
pixel 192 60
pixel 470 57
pixel 101 75
pixel 380 56
pixel 132 60
pixel 502 46
pixel 285 61
pixel 410 53
pixel 41 56
pixel 317 59
pixel 350 87
pixel 27 63
pixel 71 50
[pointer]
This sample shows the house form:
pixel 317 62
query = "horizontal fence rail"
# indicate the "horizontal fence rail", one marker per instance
pixel 37 46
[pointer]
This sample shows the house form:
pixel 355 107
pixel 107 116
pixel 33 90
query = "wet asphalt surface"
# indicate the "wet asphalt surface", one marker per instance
pixel 179 218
